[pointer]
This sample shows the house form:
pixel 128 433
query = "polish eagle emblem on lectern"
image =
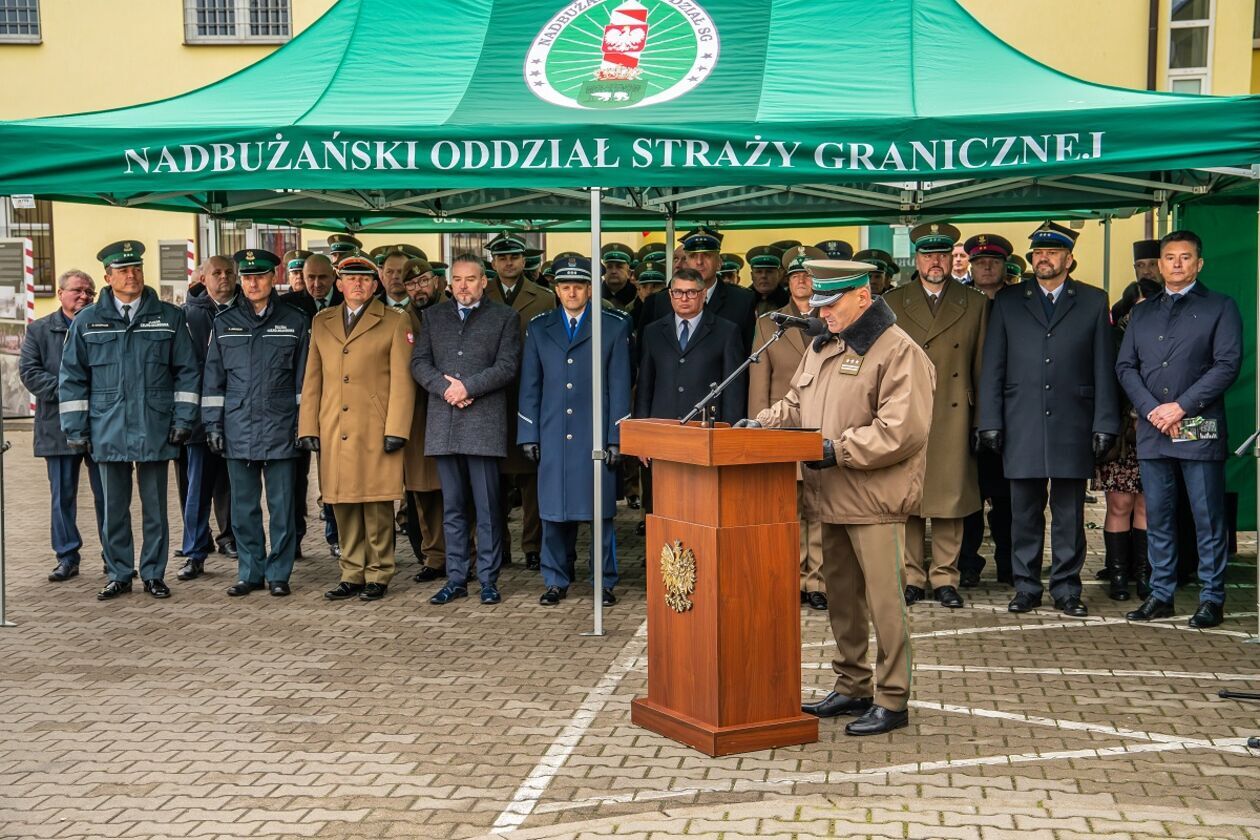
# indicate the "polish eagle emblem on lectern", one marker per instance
pixel 678 573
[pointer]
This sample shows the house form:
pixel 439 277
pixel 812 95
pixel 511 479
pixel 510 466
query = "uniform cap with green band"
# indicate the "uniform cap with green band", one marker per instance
pixel 533 259
pixel 121 254
pixel 255 261
pixel 343 243
pixel 784 244
pixel 616 252
pixel 439 268
pixel 934 238
pixel 651 252
pixel 652 273
pixel 731 262
pixel 832 278
pixel 1015 266
pixel 294 260
pixel 794 258
pixel 765 256
pixel 882 261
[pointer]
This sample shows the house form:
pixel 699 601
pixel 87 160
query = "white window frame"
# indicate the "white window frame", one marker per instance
pixel 37 38
pixel 241 36
pixel 1203 74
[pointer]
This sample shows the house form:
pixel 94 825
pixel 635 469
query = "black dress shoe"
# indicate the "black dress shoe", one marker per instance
pixel 157 588
pixel 65 570
pixel 532 561
pixel 228 547
pixel 447 594
pixel 335 550
pixel 1024 602
pixel 634 502
pixel 427 574
pixel 192 569
pixel 817 601
pixel 914 593
pixel 373 592
pixel 836 704
pixel 241 587
pixel 343 591
pixel 1071 606
pixel 179 552
pixel 490 595
pixel 877 721
pixel 641 529
pixel 1209 614
pixel 609 598
pixel 947 596
pixel 969 579
pixel 113 589
pixel 553 595
pixel 1152 607
pixel 280 588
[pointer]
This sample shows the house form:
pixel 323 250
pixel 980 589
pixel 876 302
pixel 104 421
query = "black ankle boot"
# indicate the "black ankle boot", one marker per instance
pixel 1119 548
pixel 1140 564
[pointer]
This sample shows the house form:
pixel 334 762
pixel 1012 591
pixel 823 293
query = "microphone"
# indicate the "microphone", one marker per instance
pixel 811 326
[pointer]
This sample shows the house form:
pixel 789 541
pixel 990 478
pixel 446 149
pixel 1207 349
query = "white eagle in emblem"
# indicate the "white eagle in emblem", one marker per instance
pixel 626 39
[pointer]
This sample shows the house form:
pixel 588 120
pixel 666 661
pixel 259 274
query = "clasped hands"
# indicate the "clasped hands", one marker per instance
pixel 1167 418
pixel 456 394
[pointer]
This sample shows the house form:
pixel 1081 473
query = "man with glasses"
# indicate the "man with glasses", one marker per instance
pixel 40 362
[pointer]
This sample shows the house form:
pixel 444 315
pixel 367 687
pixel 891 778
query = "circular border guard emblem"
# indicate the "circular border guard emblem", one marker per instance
pixel 611 54
pixel 678 573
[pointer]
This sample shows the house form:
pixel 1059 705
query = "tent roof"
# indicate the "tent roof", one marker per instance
pixel 497 110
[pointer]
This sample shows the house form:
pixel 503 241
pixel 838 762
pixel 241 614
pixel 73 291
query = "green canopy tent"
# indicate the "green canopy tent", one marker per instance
pixel 739 112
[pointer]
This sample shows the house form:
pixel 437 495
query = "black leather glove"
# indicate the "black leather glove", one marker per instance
pixel 179 436
pixel 80 447
pixel 215 443
pixel 1102 445
pixel 393 444
pixel 308 444
pixel 612 457
pixel 828 459
pixel 747 424
pixel 990 441
pixel 530 451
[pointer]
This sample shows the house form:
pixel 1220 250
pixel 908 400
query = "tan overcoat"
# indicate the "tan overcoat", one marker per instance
pixel 954 341
pixel 357 390
pixel 770 378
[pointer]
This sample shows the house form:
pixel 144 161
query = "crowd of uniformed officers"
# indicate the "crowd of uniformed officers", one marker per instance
pixel 461 390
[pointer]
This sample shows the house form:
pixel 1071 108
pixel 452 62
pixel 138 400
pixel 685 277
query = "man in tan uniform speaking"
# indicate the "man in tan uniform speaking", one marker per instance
pixel 868 388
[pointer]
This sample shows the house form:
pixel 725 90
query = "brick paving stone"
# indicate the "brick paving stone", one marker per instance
pixel 204 716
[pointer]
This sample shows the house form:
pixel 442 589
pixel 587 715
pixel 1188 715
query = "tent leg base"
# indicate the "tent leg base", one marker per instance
pixel 7 624
pixel 592 633
pixel 1254 640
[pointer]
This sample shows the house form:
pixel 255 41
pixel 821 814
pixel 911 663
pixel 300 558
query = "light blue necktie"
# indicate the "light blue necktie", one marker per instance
pixel 463 312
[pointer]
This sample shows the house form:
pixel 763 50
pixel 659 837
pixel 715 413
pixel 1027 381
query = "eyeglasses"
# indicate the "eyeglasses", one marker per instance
pixel 689 294
pixel 85 292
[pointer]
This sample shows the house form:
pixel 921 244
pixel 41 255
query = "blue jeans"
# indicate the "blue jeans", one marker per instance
pixel 198 543
pixel 560 544
pixel 63 481
pixel 1205 485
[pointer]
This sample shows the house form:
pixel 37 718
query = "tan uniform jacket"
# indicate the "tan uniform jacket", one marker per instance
pixel 770 378
pixel 420 473
pixel 954 341
pixel 530 300
pixel 876 408
pixel 357 390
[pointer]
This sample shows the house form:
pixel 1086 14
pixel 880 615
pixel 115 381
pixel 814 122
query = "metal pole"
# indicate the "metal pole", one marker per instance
pixel 1256 638
pixel 597 417
pixel 4 447
pixel 1163 219
pixel 669 248
pixel 1107 256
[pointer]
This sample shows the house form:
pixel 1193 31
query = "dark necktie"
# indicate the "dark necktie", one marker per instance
pixel 463 312
pixel 572 329
pixel 320 303
pixel 933 302
pixel 1174 297
pixel 1047 305
pixel 126 309
pixel 683 335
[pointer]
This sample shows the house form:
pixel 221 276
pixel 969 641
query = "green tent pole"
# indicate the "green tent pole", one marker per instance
pixel 1256 449
pixel 669 248
pixel 597 418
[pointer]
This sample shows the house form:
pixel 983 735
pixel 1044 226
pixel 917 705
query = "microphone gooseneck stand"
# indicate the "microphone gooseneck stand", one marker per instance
pixel 706 405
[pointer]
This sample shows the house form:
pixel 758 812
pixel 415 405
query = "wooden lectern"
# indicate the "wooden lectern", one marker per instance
pixel 724 659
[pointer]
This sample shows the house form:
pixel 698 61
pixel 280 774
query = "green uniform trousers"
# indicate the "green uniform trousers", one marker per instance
pixel 120 547
pixel 254 563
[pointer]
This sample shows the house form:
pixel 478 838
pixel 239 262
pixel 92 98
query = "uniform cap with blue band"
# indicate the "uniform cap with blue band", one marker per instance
pixel 571 269
pixel 702 238
pixel 836 249
pixel 1053 235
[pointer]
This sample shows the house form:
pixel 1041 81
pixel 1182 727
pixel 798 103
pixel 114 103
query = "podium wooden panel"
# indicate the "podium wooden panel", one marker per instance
pixel 725 676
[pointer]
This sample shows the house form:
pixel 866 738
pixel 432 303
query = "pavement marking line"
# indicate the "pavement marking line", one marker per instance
pixel 837 776
pixel 1071 672
pixel 1230 745
pixel 525 799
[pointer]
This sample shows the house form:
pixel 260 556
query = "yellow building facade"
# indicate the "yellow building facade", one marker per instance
pixel 94 54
